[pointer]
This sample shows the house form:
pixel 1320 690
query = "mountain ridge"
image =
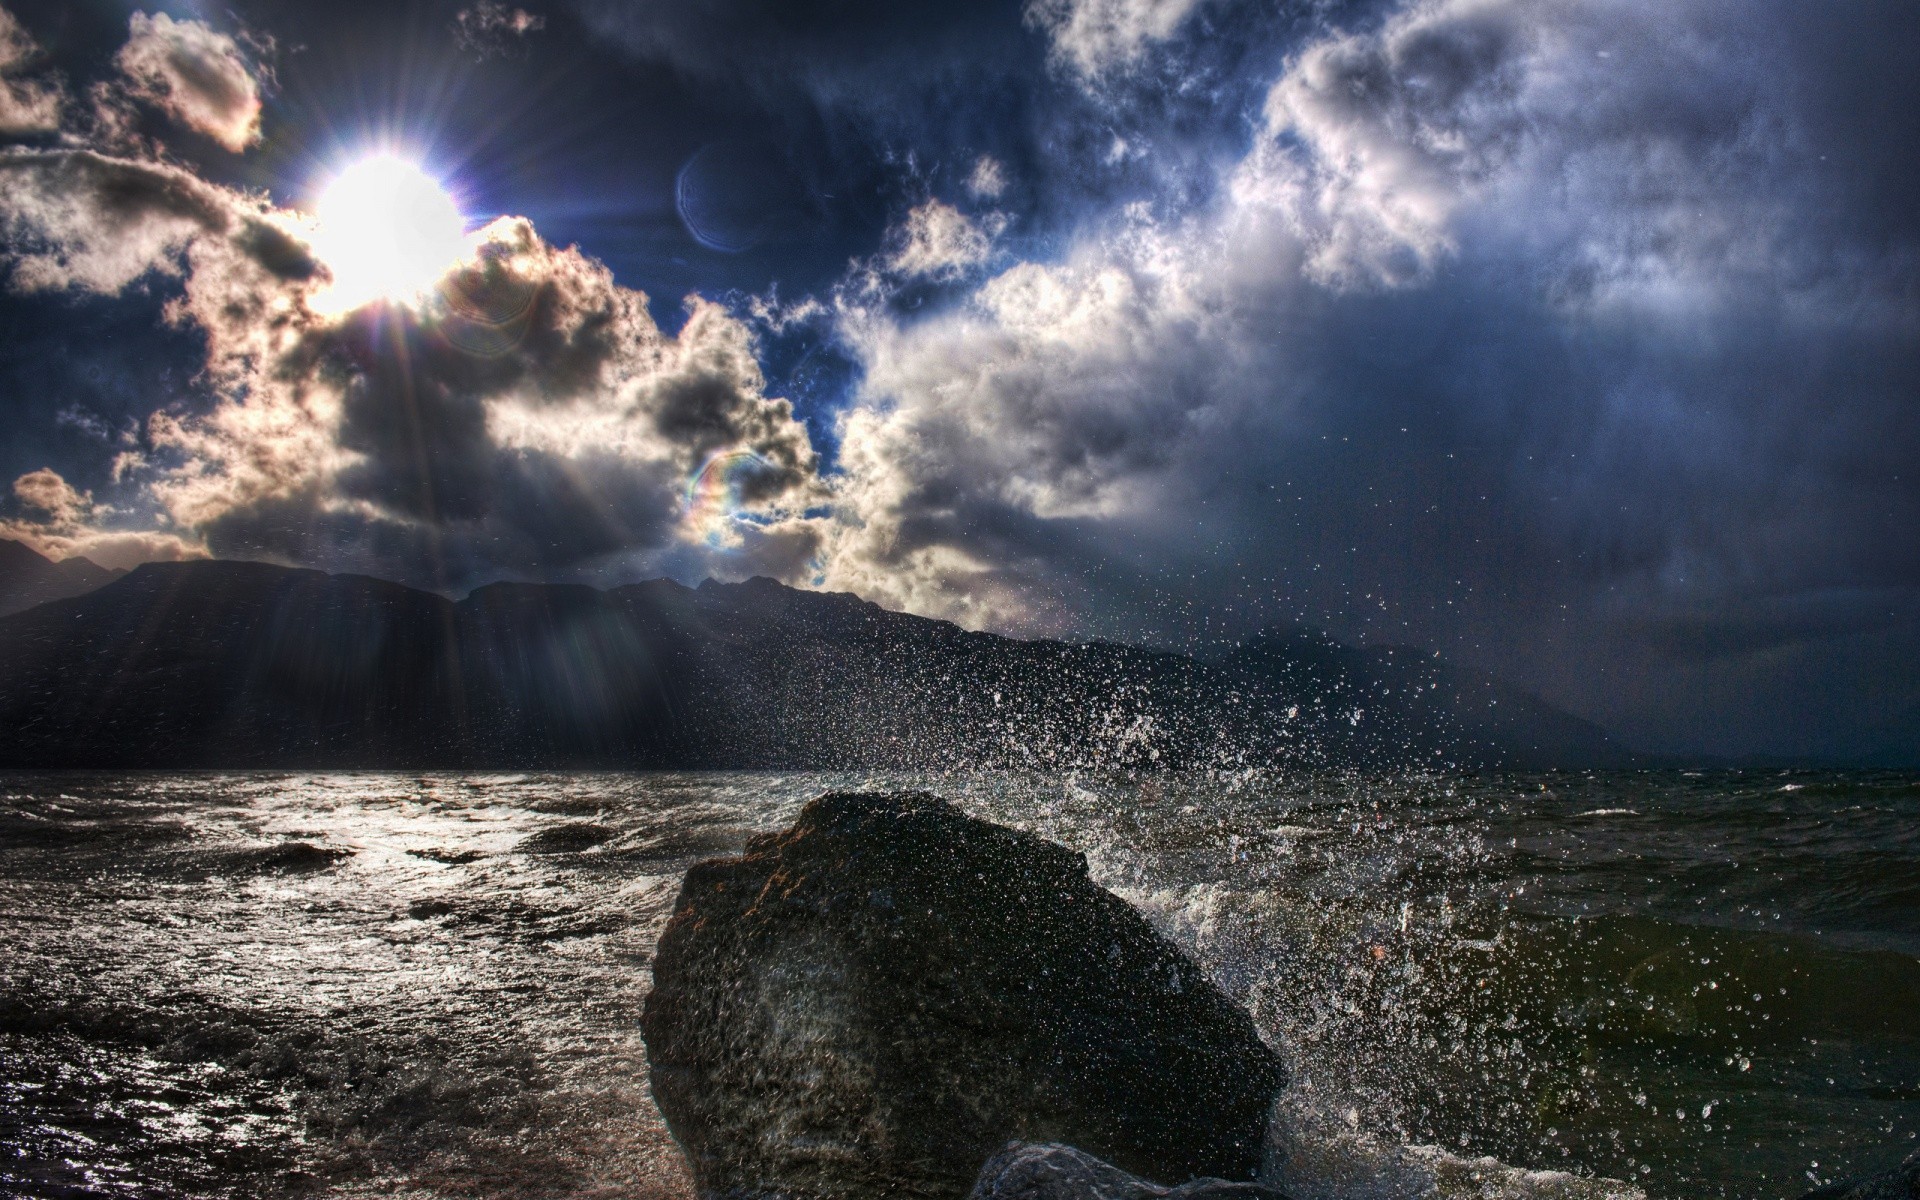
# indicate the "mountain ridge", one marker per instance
pixel 28 577
pixel 232 664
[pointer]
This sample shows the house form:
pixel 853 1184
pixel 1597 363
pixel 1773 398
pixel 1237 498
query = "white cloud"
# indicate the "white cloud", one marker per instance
pixel 1396 130
pixel 1094 37
pixel 199 77
pixel 27 106
pixel 65 523
pixel 939 242
pixel 52 496
pixel 1064 393
pixel 1628 151
pixel 79 219
pixel 988 179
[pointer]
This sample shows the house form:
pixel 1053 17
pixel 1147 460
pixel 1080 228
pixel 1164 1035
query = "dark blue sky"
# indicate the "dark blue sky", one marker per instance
pixel 1578 341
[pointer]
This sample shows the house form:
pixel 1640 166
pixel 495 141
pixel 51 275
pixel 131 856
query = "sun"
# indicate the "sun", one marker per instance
pixel 387 230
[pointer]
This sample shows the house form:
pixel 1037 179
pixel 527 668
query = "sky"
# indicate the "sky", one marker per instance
pixel 1578 342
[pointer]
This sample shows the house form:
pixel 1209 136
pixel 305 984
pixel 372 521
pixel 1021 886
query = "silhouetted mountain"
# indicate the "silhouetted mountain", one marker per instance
pixel 28 577
pixel 1399 700
pixel 243 664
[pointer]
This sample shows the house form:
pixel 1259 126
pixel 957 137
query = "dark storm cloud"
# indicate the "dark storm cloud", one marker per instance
pixel 875 109
pixel 1525 329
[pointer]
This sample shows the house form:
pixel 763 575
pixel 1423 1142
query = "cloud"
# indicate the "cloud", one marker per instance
pixel 1059 396
pixel 27 106
pixel 1094 37
pixel 53 496
pixel 535 419
pixel 1518 324
pixel 1396 130
pixel 988 179
pixel 85 220
pixel 199 78
pixel 62 522
pixel 941 243
pixel 530 418
pixel 1576 339
pixel 490 27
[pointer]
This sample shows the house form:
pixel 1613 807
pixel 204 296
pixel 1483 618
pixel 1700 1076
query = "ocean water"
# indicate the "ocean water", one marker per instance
pixel 1682 985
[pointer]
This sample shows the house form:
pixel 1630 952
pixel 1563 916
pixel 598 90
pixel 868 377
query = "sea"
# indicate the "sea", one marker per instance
pixel 1658 983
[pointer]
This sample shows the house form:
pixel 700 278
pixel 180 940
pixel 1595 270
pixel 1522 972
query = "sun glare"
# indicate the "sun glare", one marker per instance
pixel 387 230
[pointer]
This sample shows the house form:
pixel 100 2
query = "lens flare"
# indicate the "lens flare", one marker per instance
pixel 713 497
pixel 387 230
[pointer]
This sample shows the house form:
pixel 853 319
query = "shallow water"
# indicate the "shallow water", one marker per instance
pixel 396 985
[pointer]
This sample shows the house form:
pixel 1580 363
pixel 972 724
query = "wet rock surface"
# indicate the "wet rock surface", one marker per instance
pixel 878 999
pixel 1024 1171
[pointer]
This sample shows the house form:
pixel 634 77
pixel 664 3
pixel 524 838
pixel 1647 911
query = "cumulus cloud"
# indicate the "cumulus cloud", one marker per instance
pixel 61 522
pixel 27 106
pixel 535 419
pixel 940 242
pixel 1397 128
pixel 52 496
pixel 1059 398
pixel 1094 37
pixel 85 220
pixel 200 78
pixel 531 417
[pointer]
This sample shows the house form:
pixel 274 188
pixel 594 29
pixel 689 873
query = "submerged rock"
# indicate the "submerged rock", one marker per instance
pixel 1024 1171
pixel 1901 1183
pixel 876 1000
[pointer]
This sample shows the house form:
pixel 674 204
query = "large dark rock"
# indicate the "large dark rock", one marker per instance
pixel 1024 1171
pixel 878 999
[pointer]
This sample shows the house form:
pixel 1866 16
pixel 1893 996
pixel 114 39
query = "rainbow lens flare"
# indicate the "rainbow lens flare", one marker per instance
pixel 713 497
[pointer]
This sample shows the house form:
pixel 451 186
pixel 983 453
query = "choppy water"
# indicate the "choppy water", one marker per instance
pixel 394 985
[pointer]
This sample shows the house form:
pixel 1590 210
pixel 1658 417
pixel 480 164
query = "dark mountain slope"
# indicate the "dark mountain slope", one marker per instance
pixel 28 578
pixel 1398 700
pixel 241 664
pixel 220 663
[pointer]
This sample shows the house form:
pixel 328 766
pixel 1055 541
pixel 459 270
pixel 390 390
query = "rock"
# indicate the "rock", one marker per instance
pixel 1024 1171
pixel 1901 1183
pixel 878 999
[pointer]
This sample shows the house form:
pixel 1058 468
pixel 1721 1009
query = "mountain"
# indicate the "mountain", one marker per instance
pixel 28 578
pixel 231 664
pixel 1413 703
